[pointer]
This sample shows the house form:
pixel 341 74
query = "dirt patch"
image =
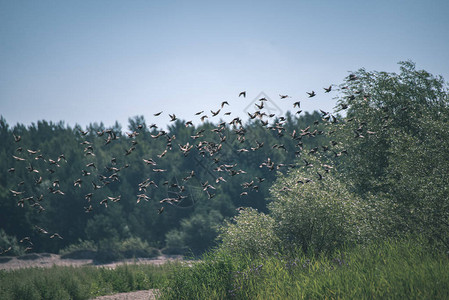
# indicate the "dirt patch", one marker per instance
pixel 139 295
pixel 46 260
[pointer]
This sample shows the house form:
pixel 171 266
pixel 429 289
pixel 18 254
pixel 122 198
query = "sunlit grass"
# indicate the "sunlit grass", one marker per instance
pixel 390 270
pixel 80 282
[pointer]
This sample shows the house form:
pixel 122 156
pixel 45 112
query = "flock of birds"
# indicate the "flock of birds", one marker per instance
pixel 204 147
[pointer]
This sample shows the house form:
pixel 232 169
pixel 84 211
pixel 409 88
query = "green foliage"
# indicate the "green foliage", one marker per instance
pixel 189 224
pixel 396 138
pixel 210 278
pixel 9 245
pixel 79 250
pixel 136 247
pixel 195 233
pixel 80 282
pixel 249 233
pixel 317 214
pixel 392 269
pixel 108 250
pixel 310 209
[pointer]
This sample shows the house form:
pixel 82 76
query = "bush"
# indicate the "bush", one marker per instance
pixel 249 233
pixel 109 250
pixel 316 214
pixel 135 247
pixel 196 233
pixel 81 250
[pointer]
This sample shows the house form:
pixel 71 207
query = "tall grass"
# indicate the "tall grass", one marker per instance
pixel 405 269
pixel 401 269
pixel 79 282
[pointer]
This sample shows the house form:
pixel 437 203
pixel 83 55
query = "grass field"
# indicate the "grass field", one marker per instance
pixel 62 282
pixel 391 270
pixel 406 269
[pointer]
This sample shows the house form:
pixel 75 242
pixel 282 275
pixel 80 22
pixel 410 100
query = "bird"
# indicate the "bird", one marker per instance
pixel 130 150
pixel 327 90
pixel 26 239
pixel 91 165
pixel 185 148
pixel 142 196
pixel 259 106
pixel 16 193
pixel 352 77
pixel 41 230
pixel 3 251
pixel 243 94
pixel 96 186
pixel 39 180
pixel 162 154
pixel 18 158
pixel 32 152
pixel 105 202
pixel 149 161
pixel 88 197
pixel 158 114
pixel 53 162
pixel 56 235
pixel 311 94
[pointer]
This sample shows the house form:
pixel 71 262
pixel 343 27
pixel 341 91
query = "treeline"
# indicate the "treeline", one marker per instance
pixel 163 188
pixel 376 167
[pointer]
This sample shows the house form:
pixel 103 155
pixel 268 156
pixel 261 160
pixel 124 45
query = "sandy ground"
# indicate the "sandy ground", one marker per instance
pixel 139 295
pixel 46 260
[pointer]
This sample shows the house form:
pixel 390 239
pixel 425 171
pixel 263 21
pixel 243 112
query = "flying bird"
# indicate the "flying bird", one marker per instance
pixel 311 94
pixel 56 235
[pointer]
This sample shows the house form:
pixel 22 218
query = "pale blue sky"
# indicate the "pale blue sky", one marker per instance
pixel 92 61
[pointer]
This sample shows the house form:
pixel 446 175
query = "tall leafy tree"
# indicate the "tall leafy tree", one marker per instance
pixel 395 134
